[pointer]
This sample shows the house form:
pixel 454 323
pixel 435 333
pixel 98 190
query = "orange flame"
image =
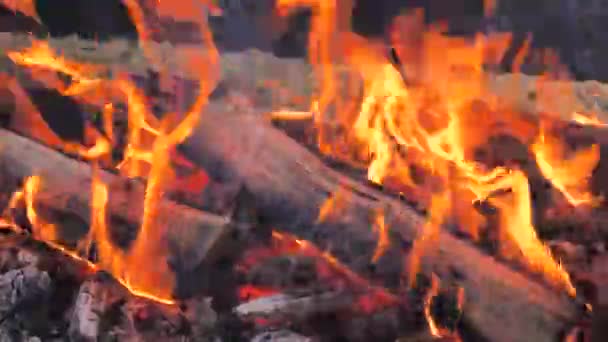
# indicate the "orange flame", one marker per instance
pixel 383 240
pixel 436 125
pixel 428 302
pixel 150 142
pixel 570 176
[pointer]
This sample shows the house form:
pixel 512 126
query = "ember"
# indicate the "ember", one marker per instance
pixel 116 221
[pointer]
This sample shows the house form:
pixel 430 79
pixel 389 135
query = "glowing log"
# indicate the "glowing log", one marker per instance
pixel 291 184
pixel 64 195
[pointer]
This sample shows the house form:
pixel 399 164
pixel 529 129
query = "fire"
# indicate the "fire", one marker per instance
pixel 143 268
pixel 433 116
pixel 40 229
pixel 383 240
pixel 569 175
pixel 428 302
pixel 332 206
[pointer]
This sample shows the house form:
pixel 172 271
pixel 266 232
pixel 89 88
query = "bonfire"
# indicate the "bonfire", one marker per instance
pixel 412 198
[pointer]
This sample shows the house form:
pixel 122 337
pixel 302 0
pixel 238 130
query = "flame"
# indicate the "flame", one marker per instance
pixel 428 302
pixel 125 267
pixel 590 120
pixel 40 229
pixel 143 268
pixel 383 242
pixel 433 116
pixel 568 175
pixel 332 206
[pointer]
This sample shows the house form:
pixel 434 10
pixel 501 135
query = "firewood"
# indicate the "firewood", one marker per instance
pixel 291 184
pixel 193 235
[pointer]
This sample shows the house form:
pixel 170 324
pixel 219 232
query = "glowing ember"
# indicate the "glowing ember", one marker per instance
pixel 332 206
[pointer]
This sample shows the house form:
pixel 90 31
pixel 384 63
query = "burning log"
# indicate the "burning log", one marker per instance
pixel 64 200
pixel 291 184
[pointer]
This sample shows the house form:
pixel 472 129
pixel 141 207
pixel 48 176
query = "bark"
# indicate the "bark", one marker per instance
pixel 291 184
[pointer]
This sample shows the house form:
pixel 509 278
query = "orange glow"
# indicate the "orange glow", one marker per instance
pixel 435 126
pixel 333 206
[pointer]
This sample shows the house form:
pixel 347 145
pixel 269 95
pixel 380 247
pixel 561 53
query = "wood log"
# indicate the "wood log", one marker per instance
pixel 192 234
pixel 291 184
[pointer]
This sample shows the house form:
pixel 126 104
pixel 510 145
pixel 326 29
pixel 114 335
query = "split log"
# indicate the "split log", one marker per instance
pixel 193 235
pixel 291 184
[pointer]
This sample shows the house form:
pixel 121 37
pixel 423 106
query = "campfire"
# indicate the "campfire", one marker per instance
pixel 415 195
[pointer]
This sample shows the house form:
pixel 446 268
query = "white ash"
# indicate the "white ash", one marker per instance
pixel 85 318
pixel 17 285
